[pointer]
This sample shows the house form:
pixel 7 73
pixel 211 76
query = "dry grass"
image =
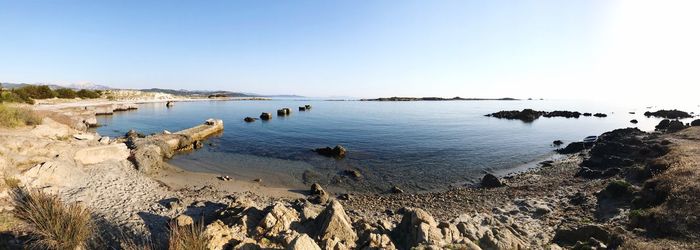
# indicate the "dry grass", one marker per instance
pixel 11 116
pixel 187 238
pixel 678 214
pixel 51 223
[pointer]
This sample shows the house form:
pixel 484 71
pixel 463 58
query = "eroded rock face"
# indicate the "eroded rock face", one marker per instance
pixel 334 223
pixel 98 154
pixel 278 219
pixel 501 239
pixel 148 158
pixel 417 227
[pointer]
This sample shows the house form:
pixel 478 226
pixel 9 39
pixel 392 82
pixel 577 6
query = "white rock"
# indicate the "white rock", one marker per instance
pixel 303 242
pixel 84 137
pixel 97 154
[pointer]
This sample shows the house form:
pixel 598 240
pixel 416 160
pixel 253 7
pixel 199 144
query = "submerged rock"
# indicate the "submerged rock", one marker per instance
pixel 337 152
pixel 249 119
pixel 491 181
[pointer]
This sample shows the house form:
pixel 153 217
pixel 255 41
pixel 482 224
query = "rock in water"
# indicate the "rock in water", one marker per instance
pixel 600 115
pixel 669 114
pixel 333 222
pixel 572 148
pixel 417 227
pixel 337 152
pixel 169 104
pixel 265 116
pixel 303 242
pixel 307 106
pixel 148 158
pixel 557 143
pixel 249 119
pixel 634 121
pixel 663 124
pixel 302 108
pixel 695 123
pixel 491 181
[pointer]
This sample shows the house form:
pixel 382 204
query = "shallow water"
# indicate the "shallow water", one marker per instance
pixel 415 145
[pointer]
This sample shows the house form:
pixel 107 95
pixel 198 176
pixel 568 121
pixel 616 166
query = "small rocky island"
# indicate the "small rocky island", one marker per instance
pixel 409 99
pixel 530 115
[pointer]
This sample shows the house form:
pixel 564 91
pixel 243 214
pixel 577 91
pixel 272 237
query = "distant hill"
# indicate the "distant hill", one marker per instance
pixel 8 85
pixel 184 92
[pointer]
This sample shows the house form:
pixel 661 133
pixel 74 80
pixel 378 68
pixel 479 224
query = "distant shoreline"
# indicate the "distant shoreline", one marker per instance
pixel 409 99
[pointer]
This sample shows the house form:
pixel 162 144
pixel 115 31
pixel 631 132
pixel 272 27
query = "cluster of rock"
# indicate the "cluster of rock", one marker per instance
pixel 618 150
pixel 305 225
pixel 670 126
pixel 529 115
pixel 265 116
pixel 148 152
pixel 669 114
pixel 408 99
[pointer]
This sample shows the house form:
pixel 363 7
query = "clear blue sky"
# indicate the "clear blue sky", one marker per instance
pixel 354 48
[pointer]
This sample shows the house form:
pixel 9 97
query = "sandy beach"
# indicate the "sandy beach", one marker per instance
pixel 547 206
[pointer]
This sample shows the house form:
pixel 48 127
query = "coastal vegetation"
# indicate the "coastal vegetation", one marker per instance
pixel 52 223
pixel 14 116
pixel 29 93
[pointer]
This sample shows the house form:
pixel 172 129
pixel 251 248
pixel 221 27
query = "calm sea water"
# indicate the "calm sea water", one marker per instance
pixel 415 145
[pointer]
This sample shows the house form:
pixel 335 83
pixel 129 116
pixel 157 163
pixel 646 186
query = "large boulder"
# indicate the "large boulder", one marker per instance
pixel 265 116
pixel 336 152
pixel 491 181
pixel 303 242
pixel 279 218
pixel 52 129
pixel 148 158
pixel 572 148
pixel 55 174
pixel 571 236
pixel 695 123
pixel 98 154
pixel 334 223
pixel 501 239
pixel 417 227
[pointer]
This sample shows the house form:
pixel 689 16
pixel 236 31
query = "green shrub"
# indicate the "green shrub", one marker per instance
pixel 16 116
pixel 66 93
pixel 51 223
pixel 88 94
pixel 11 96
pixel 36 92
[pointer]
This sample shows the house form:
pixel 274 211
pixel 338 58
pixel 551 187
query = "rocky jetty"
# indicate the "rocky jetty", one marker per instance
pixel 669 114
pixel 147 152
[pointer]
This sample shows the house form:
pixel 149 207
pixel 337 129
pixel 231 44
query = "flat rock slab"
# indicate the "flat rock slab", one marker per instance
pixel 97 154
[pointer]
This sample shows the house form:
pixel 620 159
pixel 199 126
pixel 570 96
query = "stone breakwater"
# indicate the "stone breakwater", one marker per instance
pixel 84 117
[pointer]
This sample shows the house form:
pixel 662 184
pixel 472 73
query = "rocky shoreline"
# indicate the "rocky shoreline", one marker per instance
pixel 611 195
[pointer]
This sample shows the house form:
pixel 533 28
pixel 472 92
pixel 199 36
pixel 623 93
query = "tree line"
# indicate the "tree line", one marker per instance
pixel 29 93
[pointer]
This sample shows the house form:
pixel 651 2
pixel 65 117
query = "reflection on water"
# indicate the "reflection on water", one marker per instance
pixel 416 145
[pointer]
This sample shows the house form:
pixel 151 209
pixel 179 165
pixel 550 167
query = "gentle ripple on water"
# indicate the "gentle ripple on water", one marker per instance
pixel 416 145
